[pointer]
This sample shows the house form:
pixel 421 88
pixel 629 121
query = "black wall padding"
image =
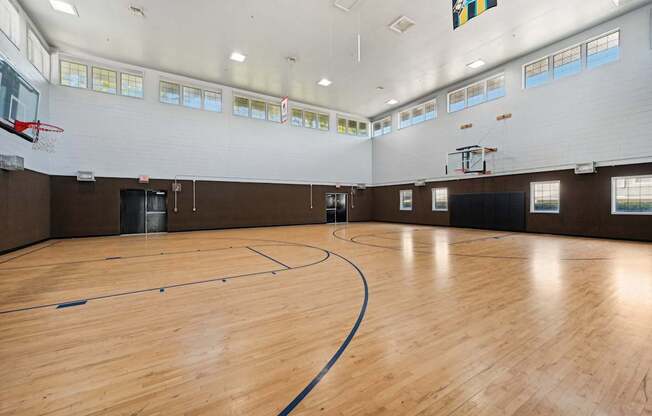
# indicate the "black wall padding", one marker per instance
pixel 496 211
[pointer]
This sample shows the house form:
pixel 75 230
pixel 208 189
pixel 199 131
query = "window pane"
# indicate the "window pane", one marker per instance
pixel 440 199
pixel 258 110
pixel 131 85
pixel 377 129
pixel 274 112
pixel 324 122
pixel 213 101
pixel 105 80
pixel 404 119
pixel 457 101
pixel 537 73
pixel 309 119
pixel 545 197
pixel 352 128
pixel 169 93
pixel 633 195
pixel 568 62
pixel 362 129
pixel 431 110
pixel 9 21
pixel 496 87
pixel 418 115
pixel 603 50
pixel 387 125
pixel 241 106
pixel 37 54
pixel 73 74
pixel 406 200
pixel 475 94
pixel 297 117
pixel 341 126
pixel 192 97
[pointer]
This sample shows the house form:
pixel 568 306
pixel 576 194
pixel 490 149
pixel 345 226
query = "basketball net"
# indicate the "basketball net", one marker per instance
pixel 45 135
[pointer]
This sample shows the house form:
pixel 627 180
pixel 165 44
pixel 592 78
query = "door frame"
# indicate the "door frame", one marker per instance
pixel 346 205
pixel 146 212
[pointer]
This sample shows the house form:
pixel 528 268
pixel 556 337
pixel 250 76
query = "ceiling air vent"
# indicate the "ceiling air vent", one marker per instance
pixel 402 24
pixel 345 5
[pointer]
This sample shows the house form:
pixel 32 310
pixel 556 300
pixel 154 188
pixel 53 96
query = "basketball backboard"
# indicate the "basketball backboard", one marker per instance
pixel 18 100
pixel 469 160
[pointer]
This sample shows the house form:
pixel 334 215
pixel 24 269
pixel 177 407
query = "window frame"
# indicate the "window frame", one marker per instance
pixel 61 61
pixel 217 93
pixel 585 47
pixel 465 88
pixel 235 97
pixel 614 211
pixel 31 36
pixel 14 36
pixel 434 199
pixel 180 92
pixel 400 199
pixel 583 56
pixel 533 210
pixel 142 82
pixel 117 77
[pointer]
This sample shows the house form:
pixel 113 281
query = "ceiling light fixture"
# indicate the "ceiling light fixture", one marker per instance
pixel 393 101
pixel 324 82
pixel 402 24
pixel 238 57
pixel 63 7
pixel 476 64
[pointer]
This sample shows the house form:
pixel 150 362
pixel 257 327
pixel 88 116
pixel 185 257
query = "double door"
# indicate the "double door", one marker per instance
pixel 336 208
pixel 143 211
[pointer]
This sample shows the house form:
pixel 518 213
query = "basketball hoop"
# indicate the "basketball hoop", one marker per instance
pixel 45 135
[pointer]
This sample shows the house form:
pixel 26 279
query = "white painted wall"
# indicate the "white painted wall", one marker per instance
pixel 604 114
pixel 17 56
pixel 125 137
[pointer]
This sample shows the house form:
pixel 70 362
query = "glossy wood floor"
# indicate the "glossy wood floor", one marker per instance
pixel 239 322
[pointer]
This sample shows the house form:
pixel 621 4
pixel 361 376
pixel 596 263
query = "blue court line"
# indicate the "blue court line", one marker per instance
pixel 295 402
pixel 73 303
pixel 270 258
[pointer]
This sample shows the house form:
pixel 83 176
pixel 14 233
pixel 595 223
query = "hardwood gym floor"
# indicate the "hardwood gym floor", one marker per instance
pixel 246 322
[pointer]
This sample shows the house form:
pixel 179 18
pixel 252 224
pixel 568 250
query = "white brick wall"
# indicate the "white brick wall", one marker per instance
pixel 604 114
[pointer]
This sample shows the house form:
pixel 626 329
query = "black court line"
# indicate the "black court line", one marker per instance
pixel 177 285
pixel 140 256
pixel 268 257
pixel 354 241
pixel 302 395
pixel 29 252
pixel 336 356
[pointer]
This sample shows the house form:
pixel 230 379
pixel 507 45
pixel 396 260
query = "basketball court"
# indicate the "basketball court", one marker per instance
pixel 334 208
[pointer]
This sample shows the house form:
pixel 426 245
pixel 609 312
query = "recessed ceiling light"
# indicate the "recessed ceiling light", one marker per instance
pixel 402 24
pixel 324 82
pixel 392 101
pixel 616 2
pixel 476 64
pixel 62 6
pixel 238 57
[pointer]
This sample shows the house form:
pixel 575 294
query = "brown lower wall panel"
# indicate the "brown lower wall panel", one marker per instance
pixel 93 208
pixel 585 203
pixel 24 208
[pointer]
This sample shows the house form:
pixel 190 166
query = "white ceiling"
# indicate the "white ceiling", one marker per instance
pixel 195 38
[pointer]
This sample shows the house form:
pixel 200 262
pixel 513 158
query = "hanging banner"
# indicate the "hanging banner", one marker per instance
pixel 284 110
pixel 465 10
